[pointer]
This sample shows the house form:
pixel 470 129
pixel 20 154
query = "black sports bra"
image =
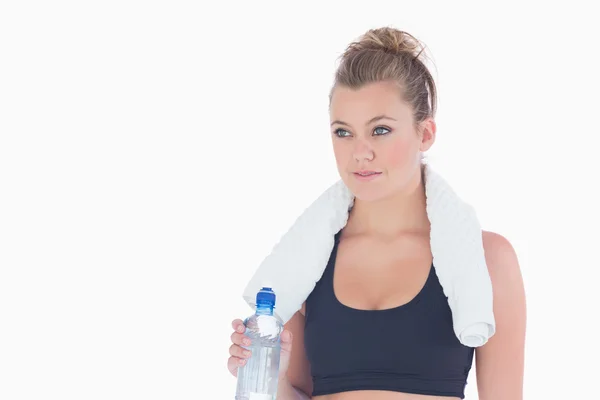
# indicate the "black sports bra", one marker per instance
pixel 411 348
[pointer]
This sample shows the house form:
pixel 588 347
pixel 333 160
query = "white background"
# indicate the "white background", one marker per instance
pixel 151 153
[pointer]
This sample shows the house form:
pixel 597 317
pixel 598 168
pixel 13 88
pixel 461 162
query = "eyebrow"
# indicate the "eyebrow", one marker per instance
pixel 377 118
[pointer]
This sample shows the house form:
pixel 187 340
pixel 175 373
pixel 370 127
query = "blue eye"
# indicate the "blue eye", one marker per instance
pixel 339 134
pixel 381 133
pixel 378 131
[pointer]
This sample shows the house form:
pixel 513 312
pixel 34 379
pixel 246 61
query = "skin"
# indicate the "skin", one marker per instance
pixel 389 220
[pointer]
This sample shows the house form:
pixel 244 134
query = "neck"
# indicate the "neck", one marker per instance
pixel 403 212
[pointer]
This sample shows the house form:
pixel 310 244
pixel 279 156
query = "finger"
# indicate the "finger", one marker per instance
pixel 238 325
pixel 240 339
pixel 233 363
pixel 286 336
pixel 240 352
pixel 286 340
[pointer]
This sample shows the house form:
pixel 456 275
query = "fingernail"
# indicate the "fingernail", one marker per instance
pixel 240 329
pixel 247 353
pixel 242 362
pixel 247 342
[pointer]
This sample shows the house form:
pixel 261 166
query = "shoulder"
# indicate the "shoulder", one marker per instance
pixel 504 269
pixel 501 259
pixel 497 245
pixel 500 362
pixel 507 281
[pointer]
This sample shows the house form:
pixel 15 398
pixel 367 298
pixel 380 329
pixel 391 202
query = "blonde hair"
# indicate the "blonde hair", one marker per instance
pixel 388 54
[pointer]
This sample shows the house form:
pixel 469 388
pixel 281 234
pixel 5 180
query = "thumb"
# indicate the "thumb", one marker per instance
pixel 286 341
pixel 286 351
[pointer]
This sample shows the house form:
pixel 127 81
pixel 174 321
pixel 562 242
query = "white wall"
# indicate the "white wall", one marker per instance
pixel 152 153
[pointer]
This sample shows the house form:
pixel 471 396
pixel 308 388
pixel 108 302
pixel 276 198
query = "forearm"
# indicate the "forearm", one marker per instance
pixel 285 391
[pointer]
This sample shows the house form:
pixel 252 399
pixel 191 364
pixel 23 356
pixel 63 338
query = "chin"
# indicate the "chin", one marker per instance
pixel 367 191
pixel 368 195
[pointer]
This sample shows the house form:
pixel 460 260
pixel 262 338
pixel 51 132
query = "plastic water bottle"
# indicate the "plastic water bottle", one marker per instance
pixel 257 380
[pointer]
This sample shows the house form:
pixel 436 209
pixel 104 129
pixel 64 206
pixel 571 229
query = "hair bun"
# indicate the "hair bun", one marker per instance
pixel 389 54
pixel 388 40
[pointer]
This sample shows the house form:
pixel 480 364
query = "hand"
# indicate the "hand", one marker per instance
pixel 238 357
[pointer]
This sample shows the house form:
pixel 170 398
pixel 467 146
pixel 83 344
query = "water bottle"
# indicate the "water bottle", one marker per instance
pixel 257 380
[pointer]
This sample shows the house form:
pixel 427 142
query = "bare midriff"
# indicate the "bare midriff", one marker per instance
pixel 380 395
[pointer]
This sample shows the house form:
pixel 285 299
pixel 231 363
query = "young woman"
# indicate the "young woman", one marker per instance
pixel 380 278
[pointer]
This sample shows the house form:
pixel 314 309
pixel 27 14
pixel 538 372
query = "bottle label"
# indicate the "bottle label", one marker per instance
pixel 260 396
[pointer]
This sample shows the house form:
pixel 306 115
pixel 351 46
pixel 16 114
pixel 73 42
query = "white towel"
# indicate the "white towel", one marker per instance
pixel 298 260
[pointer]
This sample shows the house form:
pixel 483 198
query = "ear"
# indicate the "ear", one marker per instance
pixel 427 131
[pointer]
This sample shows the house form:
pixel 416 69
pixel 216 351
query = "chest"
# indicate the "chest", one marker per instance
pixel 376 275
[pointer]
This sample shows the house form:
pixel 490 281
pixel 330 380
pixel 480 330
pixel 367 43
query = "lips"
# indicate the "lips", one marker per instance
pixel 366 173
pixel 366 176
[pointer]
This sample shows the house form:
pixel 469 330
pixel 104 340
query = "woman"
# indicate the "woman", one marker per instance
pixel 380 283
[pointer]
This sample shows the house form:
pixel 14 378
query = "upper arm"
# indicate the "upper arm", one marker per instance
pixel 298 372
pixel 500 362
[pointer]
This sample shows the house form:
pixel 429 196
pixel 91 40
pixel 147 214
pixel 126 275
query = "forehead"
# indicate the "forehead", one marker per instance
pixel 370 100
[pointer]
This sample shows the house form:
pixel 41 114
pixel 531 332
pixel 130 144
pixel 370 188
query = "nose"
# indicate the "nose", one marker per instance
pixel 363 151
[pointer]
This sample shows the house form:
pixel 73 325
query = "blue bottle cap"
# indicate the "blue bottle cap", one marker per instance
pixel 265 297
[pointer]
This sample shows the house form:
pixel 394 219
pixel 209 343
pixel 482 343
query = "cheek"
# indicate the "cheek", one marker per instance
pixel 400 154
pixel 342 153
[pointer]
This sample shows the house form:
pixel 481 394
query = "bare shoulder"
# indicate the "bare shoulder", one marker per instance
pixel 499 251
pixel 502 262
pixel 500 362
pixel 505 274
